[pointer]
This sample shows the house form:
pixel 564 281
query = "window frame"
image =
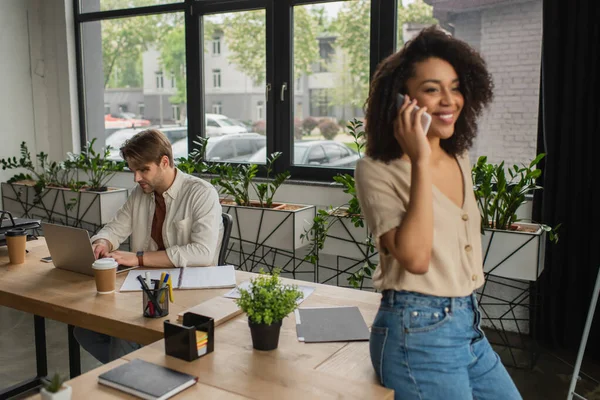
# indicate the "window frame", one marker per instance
pixel 279 22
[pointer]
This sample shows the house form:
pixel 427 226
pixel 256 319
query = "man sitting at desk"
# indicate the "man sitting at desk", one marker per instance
pixel 174 220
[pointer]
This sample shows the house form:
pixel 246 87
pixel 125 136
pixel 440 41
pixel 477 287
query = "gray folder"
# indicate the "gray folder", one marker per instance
pixel 330 324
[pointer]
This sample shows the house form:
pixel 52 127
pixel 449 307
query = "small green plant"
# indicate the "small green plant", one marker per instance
pixel 236 181
pixel 266 191
pixel 55 384
pixel 268 301
pixel 96 165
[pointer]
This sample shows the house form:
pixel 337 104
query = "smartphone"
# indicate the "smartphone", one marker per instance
pixel 47 259
pixel 425 118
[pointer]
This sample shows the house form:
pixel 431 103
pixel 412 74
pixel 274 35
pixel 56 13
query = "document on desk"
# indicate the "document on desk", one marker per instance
pixel 186 278
pixel 235 293
pixel 131 283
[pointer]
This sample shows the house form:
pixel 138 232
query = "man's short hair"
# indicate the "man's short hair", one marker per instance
pixel 146 147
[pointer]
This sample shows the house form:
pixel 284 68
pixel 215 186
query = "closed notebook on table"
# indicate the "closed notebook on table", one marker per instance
pixel 147 380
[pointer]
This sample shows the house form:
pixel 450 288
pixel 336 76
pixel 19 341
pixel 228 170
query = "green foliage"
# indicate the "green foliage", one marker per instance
pixel 245 35
pixel 64 174
pixel 417 12
pixel 236 181
pixel 55 384
pixel 499 197
pixel 325 219
pixel 266 191
pixel 123 42
pixel 268 301
pixel 172 58
pixel 96 165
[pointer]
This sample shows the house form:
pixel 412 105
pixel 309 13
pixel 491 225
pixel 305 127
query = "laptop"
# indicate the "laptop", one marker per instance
pixel 71 249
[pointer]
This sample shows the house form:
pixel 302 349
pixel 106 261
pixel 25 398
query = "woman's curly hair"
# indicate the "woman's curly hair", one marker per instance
pixel 390 79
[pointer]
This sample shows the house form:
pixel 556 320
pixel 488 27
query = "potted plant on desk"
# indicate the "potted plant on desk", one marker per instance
pixel 267 302
pixel 56 389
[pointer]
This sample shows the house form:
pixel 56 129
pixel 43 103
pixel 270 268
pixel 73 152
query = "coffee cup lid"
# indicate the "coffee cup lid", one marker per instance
pixel 105 263
pixel 16 232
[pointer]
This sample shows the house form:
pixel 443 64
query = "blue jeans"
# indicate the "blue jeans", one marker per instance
pixel 103 347
pixel 429 348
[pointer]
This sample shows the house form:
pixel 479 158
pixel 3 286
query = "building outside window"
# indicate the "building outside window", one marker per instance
pixel 217 108
pixel 216 78
pixel 160 83
pixel 216 46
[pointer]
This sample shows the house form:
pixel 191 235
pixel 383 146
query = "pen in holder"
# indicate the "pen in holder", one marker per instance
pixel 155 302
pixel 191 340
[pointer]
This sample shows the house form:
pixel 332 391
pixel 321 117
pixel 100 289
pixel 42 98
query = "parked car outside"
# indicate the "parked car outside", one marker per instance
pixel 116 139
pixel 228 148
pixel 219 124
pixel 327 153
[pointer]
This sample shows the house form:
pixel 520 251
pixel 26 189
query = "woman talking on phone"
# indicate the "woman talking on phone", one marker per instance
pixel 415 190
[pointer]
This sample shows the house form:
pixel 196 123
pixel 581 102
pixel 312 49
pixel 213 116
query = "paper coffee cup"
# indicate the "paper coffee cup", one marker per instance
pixel 16 240
pixel 105 271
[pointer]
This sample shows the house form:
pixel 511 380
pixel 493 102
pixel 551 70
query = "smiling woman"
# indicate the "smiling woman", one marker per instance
pixel 417 197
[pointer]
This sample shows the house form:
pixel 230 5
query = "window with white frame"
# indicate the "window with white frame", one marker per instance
pixel 216 78
pixel 160 83
pixel 141 108
pixel 217 108
pixel 173 80
pixel 216 46
pixel 175 112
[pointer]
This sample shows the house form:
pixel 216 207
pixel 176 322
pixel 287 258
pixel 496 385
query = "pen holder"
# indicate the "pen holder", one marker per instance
pixel 191 340
pixel 156 303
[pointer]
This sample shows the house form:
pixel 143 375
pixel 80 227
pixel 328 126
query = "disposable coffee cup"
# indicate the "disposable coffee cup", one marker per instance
pixel 16 240
pixel 105 271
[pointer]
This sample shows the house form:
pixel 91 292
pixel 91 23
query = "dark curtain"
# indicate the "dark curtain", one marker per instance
pixel 569 126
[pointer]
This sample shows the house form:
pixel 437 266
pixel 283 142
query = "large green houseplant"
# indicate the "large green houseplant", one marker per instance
pixel 267 302
pixel 499 195
pixel 513 247
pixel 71 192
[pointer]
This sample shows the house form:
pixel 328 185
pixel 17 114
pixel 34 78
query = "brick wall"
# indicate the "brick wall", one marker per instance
pixel 509 37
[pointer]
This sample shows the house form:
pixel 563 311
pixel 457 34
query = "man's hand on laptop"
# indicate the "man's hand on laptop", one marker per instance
pixel 124 258
pixel 101 248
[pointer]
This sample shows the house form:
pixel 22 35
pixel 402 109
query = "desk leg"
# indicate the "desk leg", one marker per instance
pixel 39 324
pixel 74 354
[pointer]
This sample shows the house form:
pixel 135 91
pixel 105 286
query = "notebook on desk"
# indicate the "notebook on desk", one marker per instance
pixel 147 380
pixel 186 278
pixel 330 324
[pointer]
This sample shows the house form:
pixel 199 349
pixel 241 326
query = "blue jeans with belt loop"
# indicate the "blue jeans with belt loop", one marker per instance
pixel 429 348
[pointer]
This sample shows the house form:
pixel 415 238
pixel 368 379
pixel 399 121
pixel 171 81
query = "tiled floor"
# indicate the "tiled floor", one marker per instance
pixel 548 380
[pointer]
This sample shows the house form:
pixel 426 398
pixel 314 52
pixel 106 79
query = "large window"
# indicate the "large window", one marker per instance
pixel 288 74
pixel 124 60
pixel 331 52
pixel 509 37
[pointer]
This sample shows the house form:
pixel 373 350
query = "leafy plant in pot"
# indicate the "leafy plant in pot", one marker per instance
pixel 236 181
pixel 267 302
pixel 56 389
pixel 499 197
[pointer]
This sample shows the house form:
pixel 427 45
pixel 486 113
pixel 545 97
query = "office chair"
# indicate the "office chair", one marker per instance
pixel 227 224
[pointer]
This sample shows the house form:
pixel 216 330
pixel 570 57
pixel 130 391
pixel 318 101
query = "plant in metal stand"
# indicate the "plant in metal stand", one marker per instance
pixel 267 302
pixel 325 218
pixel 96 165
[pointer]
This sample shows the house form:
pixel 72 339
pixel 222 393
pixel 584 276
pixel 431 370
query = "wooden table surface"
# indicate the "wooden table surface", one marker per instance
pixel 234 370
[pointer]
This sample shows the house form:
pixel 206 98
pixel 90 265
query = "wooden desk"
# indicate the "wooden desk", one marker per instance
pixel 234 370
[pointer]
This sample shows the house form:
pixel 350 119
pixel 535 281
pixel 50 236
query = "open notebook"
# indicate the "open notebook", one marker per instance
pixel 186 278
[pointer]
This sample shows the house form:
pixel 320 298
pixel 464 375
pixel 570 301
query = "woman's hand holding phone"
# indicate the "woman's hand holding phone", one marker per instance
pixel 409 132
